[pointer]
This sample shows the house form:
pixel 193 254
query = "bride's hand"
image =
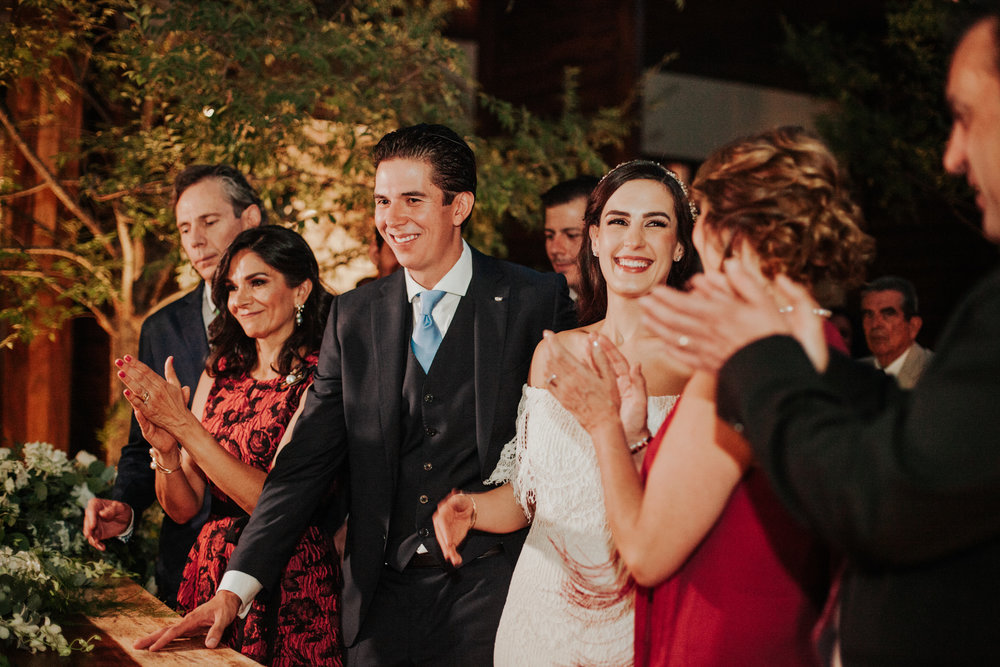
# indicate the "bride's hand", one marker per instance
pixel 631 385
pixel 589 395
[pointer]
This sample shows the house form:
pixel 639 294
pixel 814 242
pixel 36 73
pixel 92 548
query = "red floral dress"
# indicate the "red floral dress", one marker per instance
pixel 300 623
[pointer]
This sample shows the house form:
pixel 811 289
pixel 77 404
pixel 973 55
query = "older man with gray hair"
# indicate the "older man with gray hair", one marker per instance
pixel 891 321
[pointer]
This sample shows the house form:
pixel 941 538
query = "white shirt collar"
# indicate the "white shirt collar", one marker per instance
pixel 456 281
pixel 896 366
pixel 208 309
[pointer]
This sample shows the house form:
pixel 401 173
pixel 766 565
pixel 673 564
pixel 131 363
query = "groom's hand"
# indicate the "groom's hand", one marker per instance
pixel 216 615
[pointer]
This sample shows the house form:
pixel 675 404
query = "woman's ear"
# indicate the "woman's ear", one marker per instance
pixel 303 291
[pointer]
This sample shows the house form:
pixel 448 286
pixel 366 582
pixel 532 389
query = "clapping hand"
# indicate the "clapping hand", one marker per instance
pixel 605 390
pixel 726 311
pixel 631 384
pixel 160 405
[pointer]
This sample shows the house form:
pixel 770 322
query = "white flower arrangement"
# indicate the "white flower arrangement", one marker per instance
pixel 48 566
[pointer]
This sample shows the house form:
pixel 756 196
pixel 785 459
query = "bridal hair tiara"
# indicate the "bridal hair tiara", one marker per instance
pixel 668 172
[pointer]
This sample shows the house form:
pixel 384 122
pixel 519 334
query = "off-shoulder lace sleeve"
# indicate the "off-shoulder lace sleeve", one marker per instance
pixel 512 467
pixel 507 464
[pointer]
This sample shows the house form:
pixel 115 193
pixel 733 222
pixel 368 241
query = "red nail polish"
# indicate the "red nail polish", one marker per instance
pixel 121 374
pixel 119 363
pixel 128 392
pixel 128 357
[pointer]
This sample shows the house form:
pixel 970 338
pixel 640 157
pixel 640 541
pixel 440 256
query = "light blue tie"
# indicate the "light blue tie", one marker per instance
pixel 426 335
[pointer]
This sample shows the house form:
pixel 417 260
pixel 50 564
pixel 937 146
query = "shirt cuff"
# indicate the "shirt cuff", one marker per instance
pixel 126 534
pixel 244 585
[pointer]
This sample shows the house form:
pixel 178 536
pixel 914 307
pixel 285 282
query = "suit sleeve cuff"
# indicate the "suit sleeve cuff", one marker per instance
pixel 243 585
pixel 126 534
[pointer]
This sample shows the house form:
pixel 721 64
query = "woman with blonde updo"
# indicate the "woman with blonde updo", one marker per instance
pixel 726 576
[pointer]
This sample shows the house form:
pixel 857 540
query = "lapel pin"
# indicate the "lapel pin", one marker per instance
pixel 498 298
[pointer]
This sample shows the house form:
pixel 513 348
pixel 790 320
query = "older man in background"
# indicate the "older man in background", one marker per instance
pixel 891 321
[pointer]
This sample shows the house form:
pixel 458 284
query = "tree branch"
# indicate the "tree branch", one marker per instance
pixel 98 272
pixel 102 320
pixel 128 260
pixel 41 187
pixel 50 179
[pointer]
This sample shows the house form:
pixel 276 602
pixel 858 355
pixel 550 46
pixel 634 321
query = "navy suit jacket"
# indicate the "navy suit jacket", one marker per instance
pixel 176 329
pixel 906 484
pixel 352 419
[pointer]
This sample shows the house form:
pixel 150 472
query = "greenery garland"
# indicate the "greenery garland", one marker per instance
pixel 49 569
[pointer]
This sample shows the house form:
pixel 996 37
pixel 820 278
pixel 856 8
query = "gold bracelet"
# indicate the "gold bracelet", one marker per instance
pixel 154 463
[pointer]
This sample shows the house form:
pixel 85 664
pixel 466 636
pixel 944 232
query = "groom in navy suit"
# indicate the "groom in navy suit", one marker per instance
pixel 212 204
pixel 416 393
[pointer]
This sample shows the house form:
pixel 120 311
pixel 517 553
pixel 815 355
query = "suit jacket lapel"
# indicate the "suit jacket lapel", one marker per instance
pixel 490 299
pixel 390 340
pixel 912 366
pixel 191 326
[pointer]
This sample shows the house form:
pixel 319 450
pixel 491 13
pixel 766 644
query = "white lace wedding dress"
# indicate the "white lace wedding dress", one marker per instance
pixel 567 604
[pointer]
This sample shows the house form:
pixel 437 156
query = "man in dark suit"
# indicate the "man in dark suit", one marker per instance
pixel 212 204
pixel 405 424
pixel 906 484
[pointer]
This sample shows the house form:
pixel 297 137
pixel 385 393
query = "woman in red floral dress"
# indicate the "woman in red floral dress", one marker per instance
pixel 264 352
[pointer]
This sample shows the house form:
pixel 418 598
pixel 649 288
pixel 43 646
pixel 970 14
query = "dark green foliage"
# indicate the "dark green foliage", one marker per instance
pixel 890 122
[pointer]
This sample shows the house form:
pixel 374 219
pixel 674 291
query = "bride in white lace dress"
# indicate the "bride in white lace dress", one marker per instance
pixel 570 600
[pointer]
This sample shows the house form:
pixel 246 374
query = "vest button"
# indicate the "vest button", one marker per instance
pixel 428 398
pixel 428 466
pixel 430 430
pixel 423 532
pixel 423 499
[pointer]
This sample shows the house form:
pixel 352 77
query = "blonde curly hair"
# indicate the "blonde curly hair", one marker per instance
pixel 782 192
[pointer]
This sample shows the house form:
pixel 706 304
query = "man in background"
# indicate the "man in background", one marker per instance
pixel 382 256
pixel 565 204
pixel 212 204
pixel 891 322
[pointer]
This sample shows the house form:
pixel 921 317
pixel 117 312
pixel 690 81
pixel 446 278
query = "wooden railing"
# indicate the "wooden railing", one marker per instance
pixel 135 614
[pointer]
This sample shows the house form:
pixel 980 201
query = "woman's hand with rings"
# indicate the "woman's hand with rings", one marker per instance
pixel 160 402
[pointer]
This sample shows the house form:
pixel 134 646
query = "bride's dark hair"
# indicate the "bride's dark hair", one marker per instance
pixel 593 288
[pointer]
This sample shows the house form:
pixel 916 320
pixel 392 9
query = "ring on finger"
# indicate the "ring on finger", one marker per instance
pixel 145 396
pixel 683 341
